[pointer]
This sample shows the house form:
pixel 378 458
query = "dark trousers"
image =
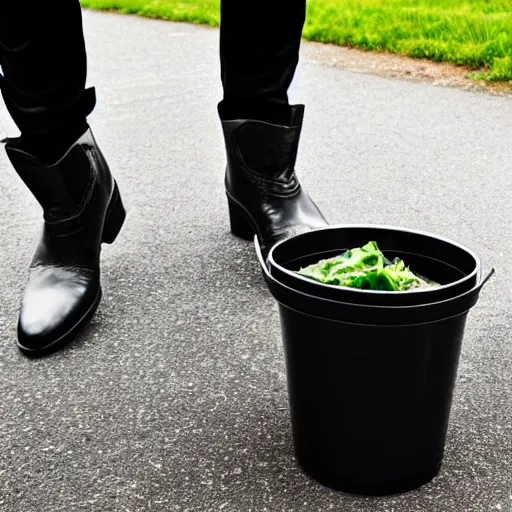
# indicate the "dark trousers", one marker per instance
pixel 44 64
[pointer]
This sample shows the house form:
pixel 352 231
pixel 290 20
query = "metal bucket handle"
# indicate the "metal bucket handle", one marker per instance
pixel 265 269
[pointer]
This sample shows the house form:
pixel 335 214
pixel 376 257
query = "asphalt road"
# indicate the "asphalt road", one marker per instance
pixel 174 398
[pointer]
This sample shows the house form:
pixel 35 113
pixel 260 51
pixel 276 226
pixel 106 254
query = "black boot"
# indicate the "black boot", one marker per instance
pixel 264 194
pixel 82 208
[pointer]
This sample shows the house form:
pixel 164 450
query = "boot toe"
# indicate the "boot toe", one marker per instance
pixel 56 301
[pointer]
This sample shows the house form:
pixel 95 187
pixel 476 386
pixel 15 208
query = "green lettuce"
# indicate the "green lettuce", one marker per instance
pixel 366 268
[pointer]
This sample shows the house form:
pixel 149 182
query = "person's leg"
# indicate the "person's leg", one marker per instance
pixel 259 50
pixel 259 46
pixel 43 61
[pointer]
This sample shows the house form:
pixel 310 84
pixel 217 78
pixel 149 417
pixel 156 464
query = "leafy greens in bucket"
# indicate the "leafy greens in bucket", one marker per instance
pixel 366 268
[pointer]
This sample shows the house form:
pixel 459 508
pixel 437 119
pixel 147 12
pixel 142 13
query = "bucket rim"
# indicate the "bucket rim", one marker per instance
pixel 474 291
pixel 476 272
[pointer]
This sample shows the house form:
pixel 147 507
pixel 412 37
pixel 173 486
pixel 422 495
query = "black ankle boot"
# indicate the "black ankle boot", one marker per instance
pixel 264 194
pixel 82 208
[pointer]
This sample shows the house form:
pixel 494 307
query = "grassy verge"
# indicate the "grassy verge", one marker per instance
pixel 474 33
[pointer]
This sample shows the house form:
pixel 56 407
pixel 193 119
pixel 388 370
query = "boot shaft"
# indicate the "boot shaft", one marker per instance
pixel 263 150
pixel 66 188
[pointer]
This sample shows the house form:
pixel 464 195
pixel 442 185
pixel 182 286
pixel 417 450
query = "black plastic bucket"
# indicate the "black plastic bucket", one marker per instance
pixel 456 268
pixel 370 386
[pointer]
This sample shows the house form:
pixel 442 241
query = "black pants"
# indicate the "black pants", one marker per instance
pixel 43 60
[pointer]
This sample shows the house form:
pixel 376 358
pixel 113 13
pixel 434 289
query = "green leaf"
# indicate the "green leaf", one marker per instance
pixel 365 268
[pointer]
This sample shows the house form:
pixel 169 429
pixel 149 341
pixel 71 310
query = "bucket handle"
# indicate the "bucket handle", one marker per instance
pixel 265 269
pixel 484 281
pixel 259 254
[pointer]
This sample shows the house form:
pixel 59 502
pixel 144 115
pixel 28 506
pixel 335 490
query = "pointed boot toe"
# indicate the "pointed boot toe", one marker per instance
pixel 55 303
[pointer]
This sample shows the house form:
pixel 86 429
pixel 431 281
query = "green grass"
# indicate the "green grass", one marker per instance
pixel 474 33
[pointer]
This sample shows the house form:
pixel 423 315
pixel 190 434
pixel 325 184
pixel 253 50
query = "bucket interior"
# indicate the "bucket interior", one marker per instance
pixel 434 258
pixel 439 271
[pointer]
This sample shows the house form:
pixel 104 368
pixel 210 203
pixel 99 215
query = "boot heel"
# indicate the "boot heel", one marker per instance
pixel 116 214
pixel 240 225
